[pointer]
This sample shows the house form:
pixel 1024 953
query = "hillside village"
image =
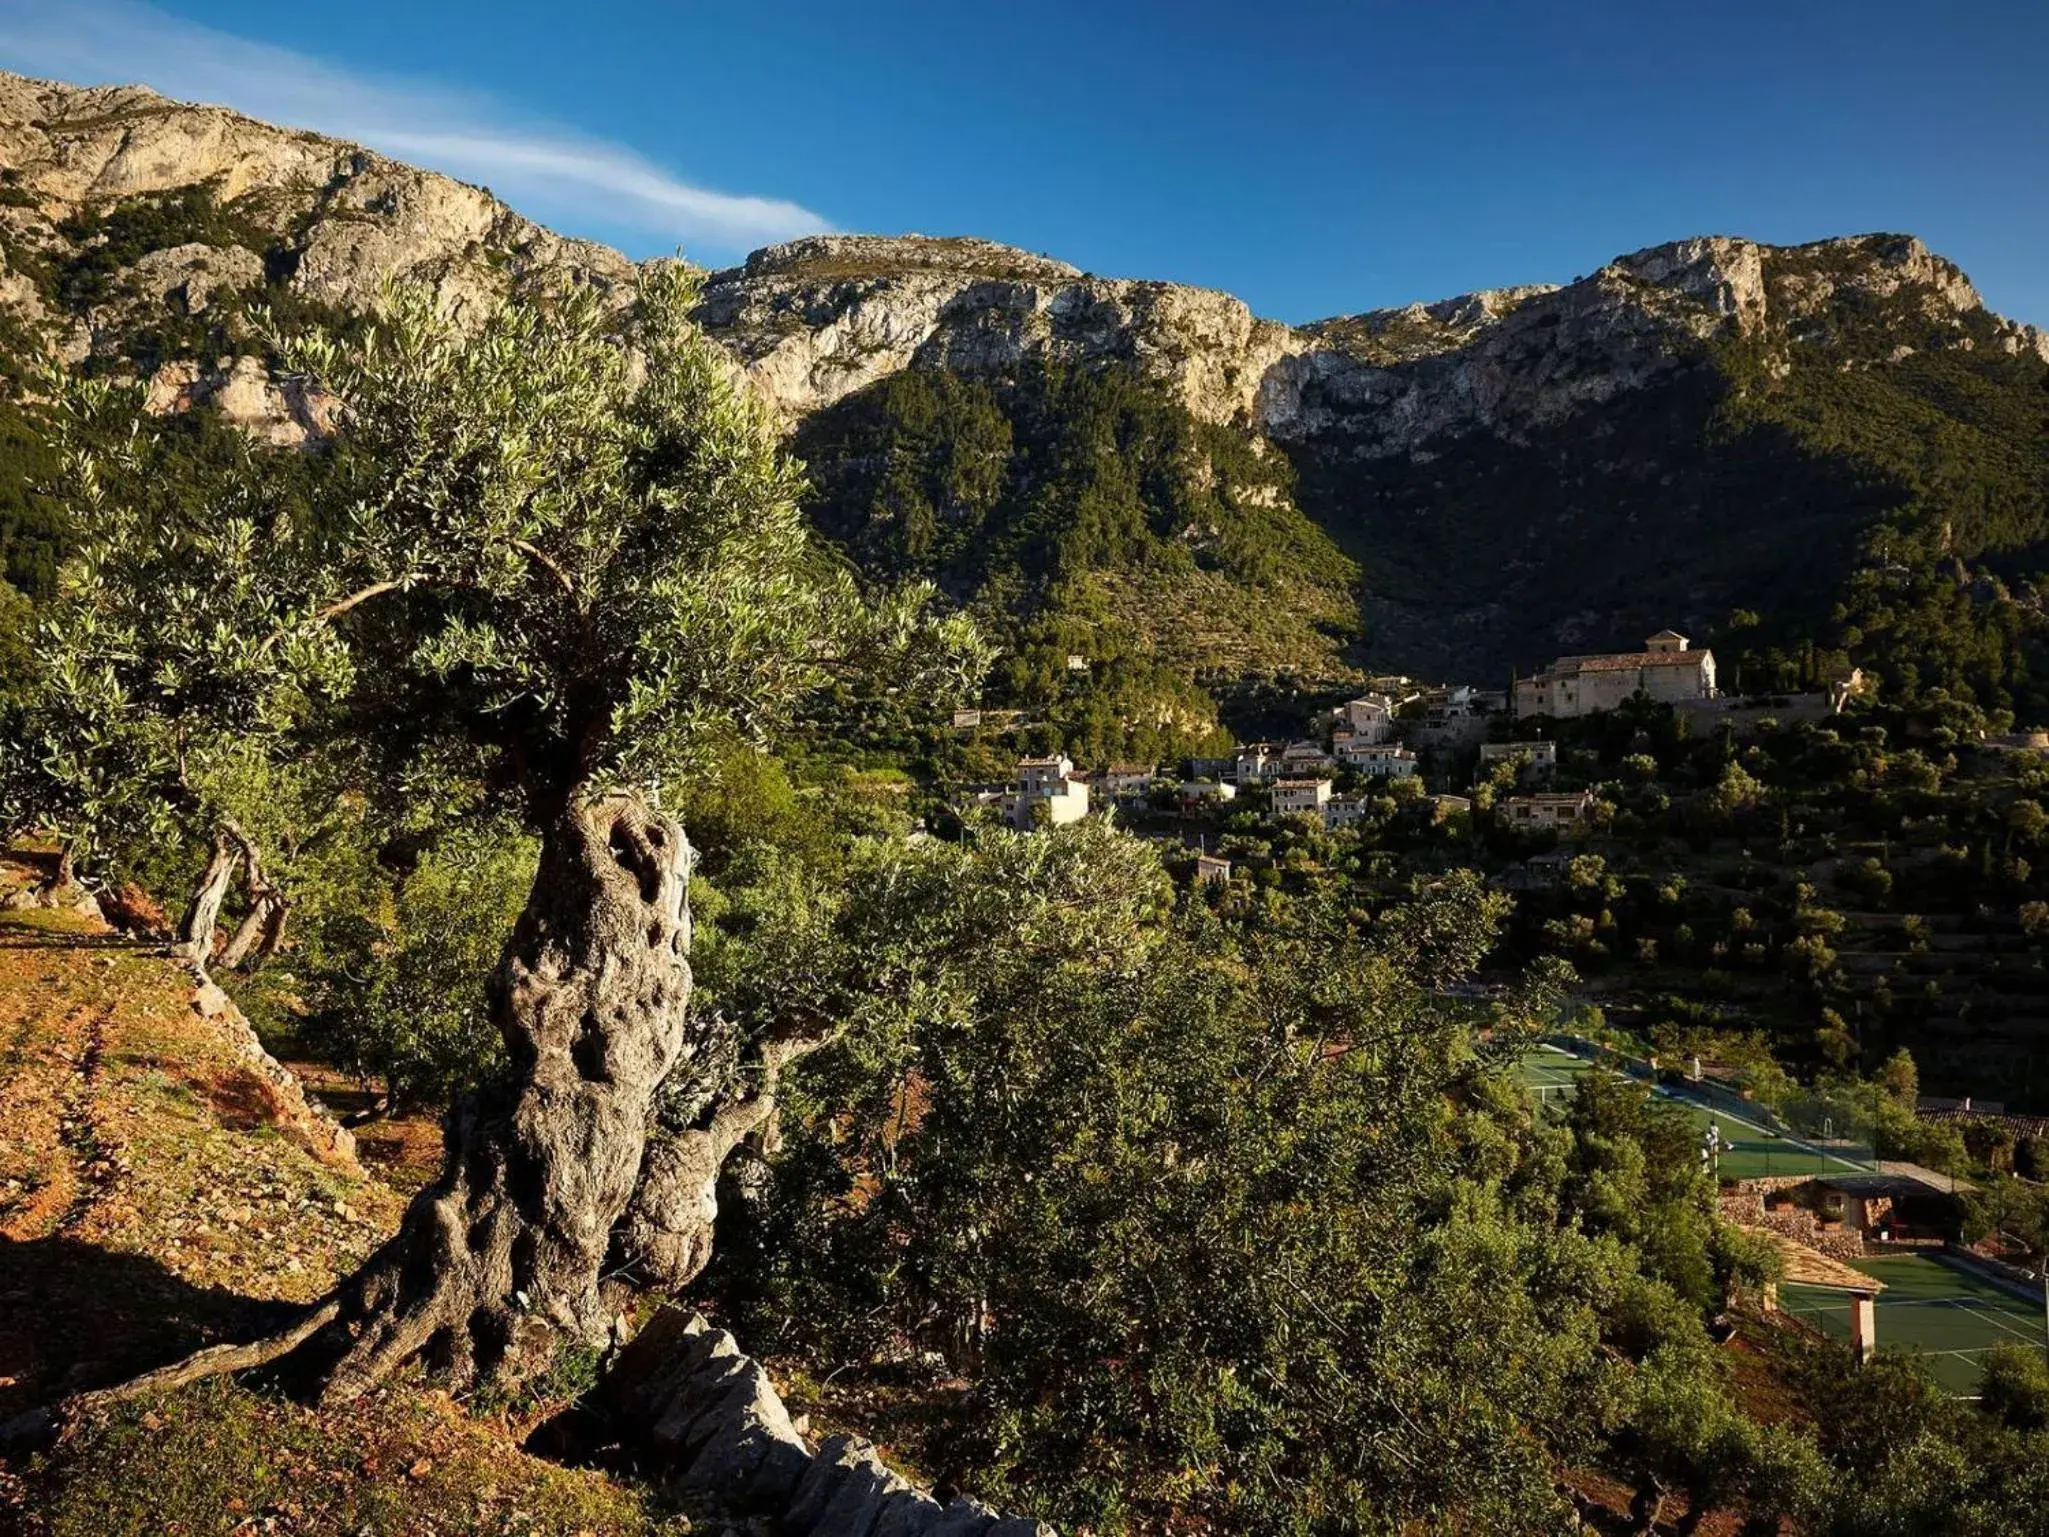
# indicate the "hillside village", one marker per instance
pixel 1455 748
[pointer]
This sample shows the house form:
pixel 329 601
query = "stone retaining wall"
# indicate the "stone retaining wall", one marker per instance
pixel 710 1424
pixel 1745 1207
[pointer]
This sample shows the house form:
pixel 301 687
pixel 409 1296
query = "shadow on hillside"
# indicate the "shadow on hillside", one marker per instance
pixel 75 1317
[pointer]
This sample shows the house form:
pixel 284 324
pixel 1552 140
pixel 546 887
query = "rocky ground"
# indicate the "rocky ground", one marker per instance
pixel 157 1192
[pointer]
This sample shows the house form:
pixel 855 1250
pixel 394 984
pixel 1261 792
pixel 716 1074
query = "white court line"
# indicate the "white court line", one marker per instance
pixel 1714 1110
pixel 1954 1304
pixel 2020 1334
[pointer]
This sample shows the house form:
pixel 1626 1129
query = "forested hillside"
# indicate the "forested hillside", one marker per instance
pixel 1869 473
pixel 1088 514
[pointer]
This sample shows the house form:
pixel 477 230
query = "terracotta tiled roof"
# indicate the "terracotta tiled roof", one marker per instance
pixel 1810 1267
pixel 1565 666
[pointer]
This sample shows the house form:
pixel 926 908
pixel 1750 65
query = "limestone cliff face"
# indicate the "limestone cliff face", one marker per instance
pixel 813 321
pixel 1511 362
pixel 817 319
pixel 293 213
pixel 341 216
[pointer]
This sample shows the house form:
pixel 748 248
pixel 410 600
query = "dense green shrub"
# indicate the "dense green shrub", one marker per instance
pixel 397 992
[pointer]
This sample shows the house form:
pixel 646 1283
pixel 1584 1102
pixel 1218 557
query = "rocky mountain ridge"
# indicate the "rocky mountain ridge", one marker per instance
pixel 814 320
pixel 1512 360
pixel 1508 467
pixel 341 216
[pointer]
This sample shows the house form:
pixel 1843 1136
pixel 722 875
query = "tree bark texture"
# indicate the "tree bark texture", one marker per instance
pixel 665 1238
pixel 502 1256
pixel 194 939
pixel 262 928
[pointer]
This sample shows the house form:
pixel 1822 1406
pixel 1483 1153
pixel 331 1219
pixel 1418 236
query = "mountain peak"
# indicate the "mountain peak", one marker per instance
pixel 826 256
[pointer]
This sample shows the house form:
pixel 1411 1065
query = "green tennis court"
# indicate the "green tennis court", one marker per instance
pixel 1946 1314
pixel 1748 1151
pixel 1753 1152
pixel 1551 1075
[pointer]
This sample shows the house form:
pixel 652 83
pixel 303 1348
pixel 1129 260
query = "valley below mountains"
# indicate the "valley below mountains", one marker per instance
pixel 901 890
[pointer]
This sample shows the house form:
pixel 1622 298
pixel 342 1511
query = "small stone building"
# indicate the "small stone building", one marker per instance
pixel 1668 668
pixel 1564 809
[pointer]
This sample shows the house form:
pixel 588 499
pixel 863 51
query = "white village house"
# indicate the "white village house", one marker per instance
pixel 1344 810
pixel 1257 763
pixel 1383 761
pixel 1666 669
pixel 1370 717
pixel 1196 793
pixel 1127 781
pixel 1300 795
pixel 1048 792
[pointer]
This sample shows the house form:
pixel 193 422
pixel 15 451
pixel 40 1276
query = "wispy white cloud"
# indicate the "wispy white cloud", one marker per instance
pixel 574 180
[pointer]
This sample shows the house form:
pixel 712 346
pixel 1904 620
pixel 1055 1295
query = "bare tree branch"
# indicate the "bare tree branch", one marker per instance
pixel 547 563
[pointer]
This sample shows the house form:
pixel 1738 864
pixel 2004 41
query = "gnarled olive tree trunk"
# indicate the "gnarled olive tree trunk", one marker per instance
pixel 664 1239
pixel 262 928
pixel 194 938
pixel 501 1257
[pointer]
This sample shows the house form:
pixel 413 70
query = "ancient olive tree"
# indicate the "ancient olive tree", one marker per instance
pixel 562 551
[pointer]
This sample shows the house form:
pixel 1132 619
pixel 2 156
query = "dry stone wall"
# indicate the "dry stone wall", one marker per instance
pixel 708 1423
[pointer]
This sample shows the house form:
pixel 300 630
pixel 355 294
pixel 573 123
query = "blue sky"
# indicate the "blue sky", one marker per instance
pixel 1314 158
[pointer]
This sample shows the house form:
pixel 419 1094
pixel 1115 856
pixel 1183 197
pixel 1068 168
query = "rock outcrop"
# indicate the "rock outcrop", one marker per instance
pixel 817 319
pixel 1518 360
pixel 707 1422
pixel 286 1104
pixel 327 220
pixel 282 412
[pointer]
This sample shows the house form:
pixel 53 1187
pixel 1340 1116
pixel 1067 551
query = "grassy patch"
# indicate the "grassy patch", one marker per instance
pixel 219 1458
